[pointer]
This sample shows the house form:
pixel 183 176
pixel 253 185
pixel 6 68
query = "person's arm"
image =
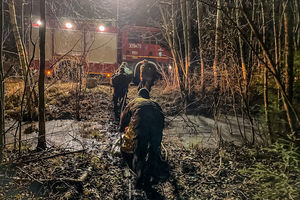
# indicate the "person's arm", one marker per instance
pixel 161 111
pixel 125 118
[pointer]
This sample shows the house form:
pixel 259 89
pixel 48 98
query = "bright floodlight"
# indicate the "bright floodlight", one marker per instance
pixel 170 67
pixel 39 22
pixel 69 25
pixel 101 28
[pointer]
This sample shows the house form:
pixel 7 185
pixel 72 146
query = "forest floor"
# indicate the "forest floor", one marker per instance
pixel 80 163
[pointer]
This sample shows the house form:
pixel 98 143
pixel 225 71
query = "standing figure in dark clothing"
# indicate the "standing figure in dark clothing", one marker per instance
pixel 120 82
pixel 148 75
pixel 145 121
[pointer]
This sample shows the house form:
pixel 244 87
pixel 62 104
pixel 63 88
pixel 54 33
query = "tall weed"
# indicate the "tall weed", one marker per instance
pixel 277 174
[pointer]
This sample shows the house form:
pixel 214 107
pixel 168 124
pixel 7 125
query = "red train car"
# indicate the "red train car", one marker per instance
pixel 140 43
pixel 97 45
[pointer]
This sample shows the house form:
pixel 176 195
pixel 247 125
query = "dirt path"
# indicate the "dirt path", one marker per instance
pixel 196 173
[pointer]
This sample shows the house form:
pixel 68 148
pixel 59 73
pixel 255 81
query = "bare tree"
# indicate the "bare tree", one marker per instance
pixel 265 72
pixel 297 25
pixel 217 42
pixel 289 49
pixel 290 111
pixel 16 32
pixel 276 44
pixel 189 49
pixel 2 122
pixel 199 14
pixel 42 33
pixel 243 63
pixel 173 39
pixel 174 44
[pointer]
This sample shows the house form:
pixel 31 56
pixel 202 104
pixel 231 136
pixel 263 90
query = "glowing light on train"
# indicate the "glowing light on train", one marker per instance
pixel 39 22
pixel 69 25
pixel 101 28
pixel 48 72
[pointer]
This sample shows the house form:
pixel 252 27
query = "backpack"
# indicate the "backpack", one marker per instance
pixel 119 80
pixel 148 72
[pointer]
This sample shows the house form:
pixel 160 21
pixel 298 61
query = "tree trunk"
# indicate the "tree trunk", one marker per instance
pixel 22 58
pixel 174 43
pixel 266 95
pixel 20 47
pixel 2 98
pixel 185 39
pixel 251 41
pixel 243 64
pixel 297 28
pixel 186 25
pixel 276 47
pixel 42 32
pixel 199 9
pixel 289 49
pixel 275 32
pixel 189 48
pixel 217 44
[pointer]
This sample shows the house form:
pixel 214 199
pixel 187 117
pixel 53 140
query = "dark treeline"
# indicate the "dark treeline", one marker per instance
pixel 245 51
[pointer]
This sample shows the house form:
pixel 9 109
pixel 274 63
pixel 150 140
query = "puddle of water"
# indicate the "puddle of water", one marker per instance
pixel 191 130
pixel 64 134
pixel 198 130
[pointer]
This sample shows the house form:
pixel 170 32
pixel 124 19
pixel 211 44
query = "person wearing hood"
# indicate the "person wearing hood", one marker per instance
pixel 141 145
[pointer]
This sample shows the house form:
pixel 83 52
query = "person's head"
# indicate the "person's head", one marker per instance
pixel 124 64
pixel 144 93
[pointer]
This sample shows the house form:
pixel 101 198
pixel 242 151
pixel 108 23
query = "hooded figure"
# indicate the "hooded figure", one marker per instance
pixel 145 121
pixel 120 82
pixel 148 75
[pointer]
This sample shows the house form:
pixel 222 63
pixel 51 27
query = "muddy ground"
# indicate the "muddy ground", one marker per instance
pixel 97 173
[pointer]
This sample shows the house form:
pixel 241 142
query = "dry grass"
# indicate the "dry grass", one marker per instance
pixel 13 86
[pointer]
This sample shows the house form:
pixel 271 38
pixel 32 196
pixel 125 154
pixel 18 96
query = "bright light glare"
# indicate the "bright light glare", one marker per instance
pixel 101 28
pixel 170 67
pixel 69 25
pixel 48 72
pixel 39 22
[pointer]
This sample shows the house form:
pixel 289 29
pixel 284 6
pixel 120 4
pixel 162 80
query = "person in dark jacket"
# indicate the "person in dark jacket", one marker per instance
pixel 144 120
pixel 120 82
pixel 148 75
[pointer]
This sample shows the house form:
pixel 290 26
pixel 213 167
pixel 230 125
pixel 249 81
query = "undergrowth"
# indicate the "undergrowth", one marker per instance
pixel 276 172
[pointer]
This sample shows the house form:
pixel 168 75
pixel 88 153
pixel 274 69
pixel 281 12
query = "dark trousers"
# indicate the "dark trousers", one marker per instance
pixel 118 98
pixel 127 157
pixel 147 142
